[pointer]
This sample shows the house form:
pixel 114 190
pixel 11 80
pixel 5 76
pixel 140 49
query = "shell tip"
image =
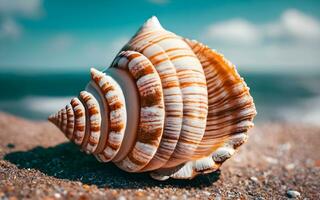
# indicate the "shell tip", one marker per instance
pixel 153 23
pixel 95 73
pixel 92 70
pixel 52 118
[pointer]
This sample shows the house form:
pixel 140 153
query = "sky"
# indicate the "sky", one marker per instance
pixel 74 35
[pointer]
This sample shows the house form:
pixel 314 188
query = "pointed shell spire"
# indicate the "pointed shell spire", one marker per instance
pixel 152 23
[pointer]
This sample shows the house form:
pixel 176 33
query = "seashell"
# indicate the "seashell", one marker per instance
pixel 167 105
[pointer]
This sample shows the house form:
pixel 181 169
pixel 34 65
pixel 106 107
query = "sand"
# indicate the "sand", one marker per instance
pixel 37 162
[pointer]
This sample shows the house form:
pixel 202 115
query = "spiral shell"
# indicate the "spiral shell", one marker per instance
pixel 167 105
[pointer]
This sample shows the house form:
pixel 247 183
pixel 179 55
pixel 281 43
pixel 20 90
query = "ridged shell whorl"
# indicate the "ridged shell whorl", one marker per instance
pixel 167 105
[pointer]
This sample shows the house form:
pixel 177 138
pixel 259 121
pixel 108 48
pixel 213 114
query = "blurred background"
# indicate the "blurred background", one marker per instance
pixel 47 48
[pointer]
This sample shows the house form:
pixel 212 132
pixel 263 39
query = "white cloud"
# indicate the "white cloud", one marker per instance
pixel 234 31
pixel 292 24
pixel 300 25
pixel 25 8
pixel 291 42
pixel 160 2
pixel 290 58
pixel 9 29
pixel 42 104
pixel 10 10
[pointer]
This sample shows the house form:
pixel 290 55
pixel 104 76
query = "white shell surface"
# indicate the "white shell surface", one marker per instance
pixel 174 59
pixel 151 123
pixel 117 119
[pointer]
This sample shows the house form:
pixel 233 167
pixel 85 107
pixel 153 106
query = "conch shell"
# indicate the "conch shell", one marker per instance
pixel 167 105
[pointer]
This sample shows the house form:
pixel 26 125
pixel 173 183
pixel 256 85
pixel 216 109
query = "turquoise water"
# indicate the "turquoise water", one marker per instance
pixel 277 96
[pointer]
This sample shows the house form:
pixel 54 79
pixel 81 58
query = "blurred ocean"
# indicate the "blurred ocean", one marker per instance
pixel 278 97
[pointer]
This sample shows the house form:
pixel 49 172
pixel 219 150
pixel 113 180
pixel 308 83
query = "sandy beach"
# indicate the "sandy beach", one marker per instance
pixel 37 162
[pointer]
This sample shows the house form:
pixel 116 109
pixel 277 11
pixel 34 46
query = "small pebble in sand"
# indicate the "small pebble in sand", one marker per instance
pixel 121 198
pixel 57 195
pixel 254 179
pixel 293 194
pixel 140 193
pixel 10 145
pixel 206 193
pixel 86 187
pixel 271 160
pixel 173 197
pixel 218 197
pixel 290 166
pixel 317 162
pixel 1 194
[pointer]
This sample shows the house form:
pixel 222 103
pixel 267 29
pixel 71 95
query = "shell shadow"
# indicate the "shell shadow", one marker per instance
pixel 64 161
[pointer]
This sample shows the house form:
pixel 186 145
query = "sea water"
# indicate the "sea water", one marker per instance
pixel 278 97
